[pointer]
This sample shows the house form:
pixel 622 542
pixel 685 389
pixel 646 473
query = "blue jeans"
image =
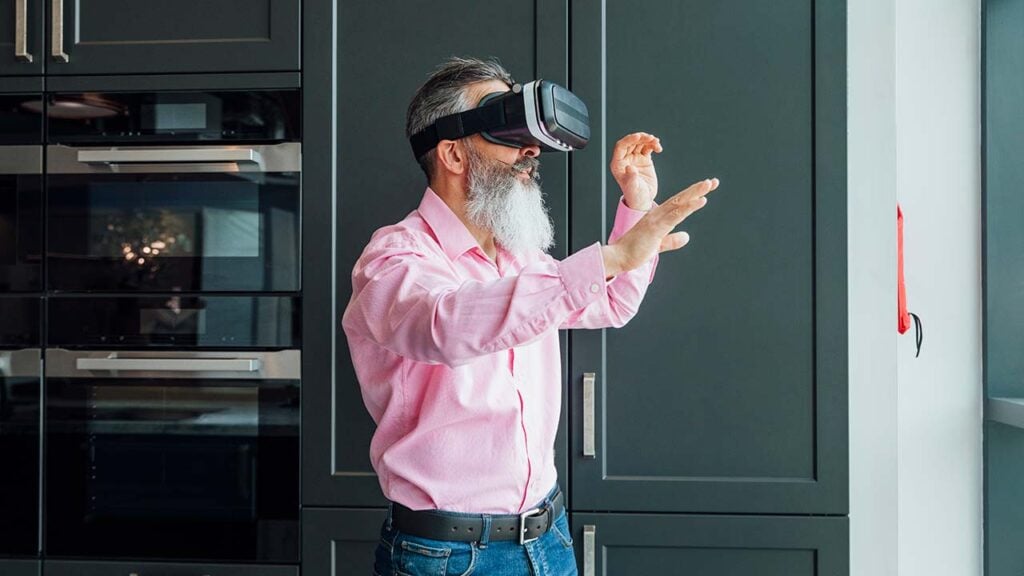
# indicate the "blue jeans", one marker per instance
pixel 400 554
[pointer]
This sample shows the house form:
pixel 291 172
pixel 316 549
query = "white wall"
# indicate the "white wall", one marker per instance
pixel 938 139
pixel 871 190
pixel 915 423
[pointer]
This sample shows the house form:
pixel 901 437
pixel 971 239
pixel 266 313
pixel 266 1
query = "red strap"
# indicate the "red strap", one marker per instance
pixel 903 322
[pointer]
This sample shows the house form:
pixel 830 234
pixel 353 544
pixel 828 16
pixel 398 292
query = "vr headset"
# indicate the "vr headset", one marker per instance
pixel 538 113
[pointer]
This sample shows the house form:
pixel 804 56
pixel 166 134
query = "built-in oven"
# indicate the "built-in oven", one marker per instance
pixel 173 191
pixel 172 427
pixel 21 192
pixel 20 418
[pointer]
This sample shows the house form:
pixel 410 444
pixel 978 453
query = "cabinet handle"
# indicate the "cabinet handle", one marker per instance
pixel 57 31
pixel 588 550
pixel 170 364
pixel 21 31
pixel 162 155
pixel 588 415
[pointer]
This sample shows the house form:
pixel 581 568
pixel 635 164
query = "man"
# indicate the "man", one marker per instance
pixel 452 327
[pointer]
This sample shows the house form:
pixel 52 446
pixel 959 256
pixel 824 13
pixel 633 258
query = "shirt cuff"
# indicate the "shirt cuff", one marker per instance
pixel 625 218
pixel 583 275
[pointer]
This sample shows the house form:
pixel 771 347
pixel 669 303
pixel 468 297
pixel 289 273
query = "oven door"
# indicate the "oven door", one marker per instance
pixel 173 218
pixel 173 455
pixel 20 422
pixel 19 451
pixel 21 218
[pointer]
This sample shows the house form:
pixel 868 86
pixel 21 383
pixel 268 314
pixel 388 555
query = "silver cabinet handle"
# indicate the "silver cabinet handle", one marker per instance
pixel 588 550
pixel 57 32
pixel 21 31
pixel 165 155
pixel 170 364
pixel 588 415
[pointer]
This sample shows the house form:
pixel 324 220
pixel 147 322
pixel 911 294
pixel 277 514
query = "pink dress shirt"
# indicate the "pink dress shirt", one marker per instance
pixel 457 356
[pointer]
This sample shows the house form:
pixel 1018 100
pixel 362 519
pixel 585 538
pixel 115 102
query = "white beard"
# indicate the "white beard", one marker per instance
pixel 510 208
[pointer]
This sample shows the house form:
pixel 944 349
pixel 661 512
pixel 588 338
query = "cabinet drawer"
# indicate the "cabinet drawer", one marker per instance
pixel 625 544
pixel 69 568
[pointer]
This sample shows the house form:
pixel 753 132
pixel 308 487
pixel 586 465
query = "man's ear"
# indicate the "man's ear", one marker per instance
pixel 452 157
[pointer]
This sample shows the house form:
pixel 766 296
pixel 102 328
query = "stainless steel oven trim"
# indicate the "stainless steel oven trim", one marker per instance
pixel 20 363
pixel 283 157
pixel 233 365
pixel 21 159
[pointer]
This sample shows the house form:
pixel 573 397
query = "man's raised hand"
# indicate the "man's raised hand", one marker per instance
pixel 653 233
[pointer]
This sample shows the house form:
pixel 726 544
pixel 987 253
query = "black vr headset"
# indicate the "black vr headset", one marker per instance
pixel 538 113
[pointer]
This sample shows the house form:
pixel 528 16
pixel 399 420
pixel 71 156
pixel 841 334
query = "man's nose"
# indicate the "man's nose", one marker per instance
pixel 531 151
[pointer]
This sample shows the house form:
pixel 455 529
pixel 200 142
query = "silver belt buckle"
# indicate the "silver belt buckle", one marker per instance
pixel 522 525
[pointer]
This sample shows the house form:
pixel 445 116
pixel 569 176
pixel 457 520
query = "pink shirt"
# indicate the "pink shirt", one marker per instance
pixel 457 356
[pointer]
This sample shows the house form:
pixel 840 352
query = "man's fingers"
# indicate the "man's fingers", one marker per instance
pixel 674 241
pixel 634 144
pixel 696 190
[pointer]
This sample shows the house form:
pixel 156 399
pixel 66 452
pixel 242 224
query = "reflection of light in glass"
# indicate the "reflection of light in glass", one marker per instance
pixel 142 261
pixel 129 256
pixel 88 105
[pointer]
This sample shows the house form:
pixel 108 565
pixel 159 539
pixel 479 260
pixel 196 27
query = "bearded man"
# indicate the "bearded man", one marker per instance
pixel 453 331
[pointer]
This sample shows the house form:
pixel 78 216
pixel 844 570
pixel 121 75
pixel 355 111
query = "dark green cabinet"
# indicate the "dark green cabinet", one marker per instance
pixel 623 544
pixel 19 567
pixel 170 36
pixel 380 62
pixel 340 541
pixel 719 411
pixel 21 37
pixel 727 391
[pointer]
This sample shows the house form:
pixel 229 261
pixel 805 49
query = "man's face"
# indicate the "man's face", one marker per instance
pixel 507 154
pixel 504 193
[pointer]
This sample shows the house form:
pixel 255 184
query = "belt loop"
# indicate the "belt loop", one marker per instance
pixel 548 502
pixel 485 534
pixel 387 523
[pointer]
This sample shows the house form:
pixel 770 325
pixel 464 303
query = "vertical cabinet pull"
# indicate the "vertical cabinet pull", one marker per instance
pixel 57 31
pixel 21 31
pixel 588 550
pixel 588 415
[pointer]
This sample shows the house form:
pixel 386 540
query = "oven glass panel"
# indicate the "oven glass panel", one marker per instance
pixel 21 119
pixel 174 231
pixel 197 468
pixel 21 229
pixel 181 116
pixel 173 321
pixel 19 426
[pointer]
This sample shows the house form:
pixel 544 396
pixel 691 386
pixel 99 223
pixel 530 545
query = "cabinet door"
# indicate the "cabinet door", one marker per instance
pixel 381 60
pixel 19 567
pixel 160 36
pixel 1003 472
pixel 339 541
pixel 21 37
pixel 626 544
pixel 727 391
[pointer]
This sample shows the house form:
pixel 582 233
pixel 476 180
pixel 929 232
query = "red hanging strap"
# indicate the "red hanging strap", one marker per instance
pixel 902 315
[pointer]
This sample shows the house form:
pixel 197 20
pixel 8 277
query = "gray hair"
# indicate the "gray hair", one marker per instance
pixel 445 93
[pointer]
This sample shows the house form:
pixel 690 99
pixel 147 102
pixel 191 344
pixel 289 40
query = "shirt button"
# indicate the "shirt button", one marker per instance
pixel 594 287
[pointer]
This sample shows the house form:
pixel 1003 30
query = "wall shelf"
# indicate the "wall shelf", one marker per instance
pixel 1008 411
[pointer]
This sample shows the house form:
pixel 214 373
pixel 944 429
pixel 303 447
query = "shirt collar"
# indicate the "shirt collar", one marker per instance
pixel 451 233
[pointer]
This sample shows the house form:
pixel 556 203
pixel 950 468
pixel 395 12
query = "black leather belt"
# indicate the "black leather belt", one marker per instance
pixel 524 527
